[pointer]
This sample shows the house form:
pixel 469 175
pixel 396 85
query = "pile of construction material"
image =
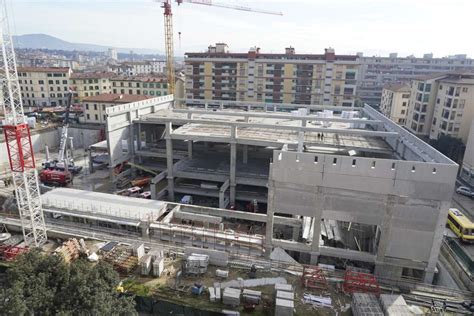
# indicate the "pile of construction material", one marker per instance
pixel 153 262
pixel 394 305
pixel 196 264
pixel 231 297
pixel 122 259
pixel 216 257
pixel 317 301
pixel 365 304
pixel 223 274
pixel 69 250
pixel 251 297
pixel 284 299
pixel 215 294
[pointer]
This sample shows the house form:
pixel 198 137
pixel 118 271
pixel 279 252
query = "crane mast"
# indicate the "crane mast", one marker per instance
pixel 18 142
pixel 168 17
pixel 64 131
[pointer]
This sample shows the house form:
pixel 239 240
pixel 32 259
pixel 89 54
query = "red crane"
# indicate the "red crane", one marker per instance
pixel 18 142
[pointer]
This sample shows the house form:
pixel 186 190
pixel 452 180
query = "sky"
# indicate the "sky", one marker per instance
pixel 375 27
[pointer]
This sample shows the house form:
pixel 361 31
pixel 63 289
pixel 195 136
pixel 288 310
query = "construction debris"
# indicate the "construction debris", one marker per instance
pixel 121 259
pixel 314 278
pixel 69 250
pixel 364 304
pixel 317 301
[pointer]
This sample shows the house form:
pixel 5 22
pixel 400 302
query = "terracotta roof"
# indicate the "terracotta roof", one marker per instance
pixel 92 75
pixel 43 69
pixel 116 98
pixel 397 87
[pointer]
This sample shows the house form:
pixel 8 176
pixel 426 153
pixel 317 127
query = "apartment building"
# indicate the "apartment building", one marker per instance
pixel 95 106
pixel 88 84
pixel 133 68
pixel 44 86
pixel 376 72
pixel 442 104
pixel 327 78
pixel 394 102
pixel 140 85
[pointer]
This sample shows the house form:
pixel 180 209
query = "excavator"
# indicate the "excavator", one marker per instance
pixel 60 171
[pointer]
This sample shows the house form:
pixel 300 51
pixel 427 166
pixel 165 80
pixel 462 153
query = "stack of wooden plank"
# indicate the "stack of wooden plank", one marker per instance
pixel 69 250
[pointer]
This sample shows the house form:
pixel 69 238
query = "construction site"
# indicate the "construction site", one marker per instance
pixel 217 207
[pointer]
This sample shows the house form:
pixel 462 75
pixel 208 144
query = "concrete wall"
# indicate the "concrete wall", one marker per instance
pixel 408 200
pixel 120 128
pixel 82 136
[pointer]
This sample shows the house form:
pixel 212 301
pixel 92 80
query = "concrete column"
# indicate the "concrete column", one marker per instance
pixel 169 161
pixel 190 149
pixel 139 137
pixel 233 163
pixel 145 226
pixel 233 160
pixel 300 141
pixel 222 197
pixel 385 228
pixel 269 224
pixel 296 230
pixel 245 153
pixel 314 256
pixel 437 241
pixel 91 164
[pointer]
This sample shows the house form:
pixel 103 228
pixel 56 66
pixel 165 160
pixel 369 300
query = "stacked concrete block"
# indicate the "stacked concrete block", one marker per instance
pixel 283 287
pixel 138 250
pixel 212 294
pixel 364 304
pixel 394 305
pixel 218 293
pixel 231 297
pixel 284 307
pixel 216 257
pixel 284 295
pixel 145 265
pixel 252 297
pixel 158 266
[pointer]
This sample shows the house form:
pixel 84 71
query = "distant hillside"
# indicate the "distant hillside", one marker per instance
pixel 44 41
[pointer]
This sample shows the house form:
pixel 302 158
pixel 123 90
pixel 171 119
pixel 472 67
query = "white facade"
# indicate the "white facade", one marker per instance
pixel 394 102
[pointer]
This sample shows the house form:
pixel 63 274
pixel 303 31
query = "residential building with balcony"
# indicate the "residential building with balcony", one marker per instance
pixel 217 74
pixel 394 102
pixel 376 72
pixel 151 85
pixel 44 86
pixel 442 104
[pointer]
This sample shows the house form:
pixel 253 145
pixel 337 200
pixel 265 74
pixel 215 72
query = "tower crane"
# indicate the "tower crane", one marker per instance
pixel 18 142
pixel 168 19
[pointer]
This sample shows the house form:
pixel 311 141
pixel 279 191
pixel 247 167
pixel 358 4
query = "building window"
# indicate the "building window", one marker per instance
pixel 464 89
pixel 87 106
pixel 96 117
pixel 88 116
pixel 103 107
pixel 95 106
pixel 40 82
pixel 105 117
pixel 50 81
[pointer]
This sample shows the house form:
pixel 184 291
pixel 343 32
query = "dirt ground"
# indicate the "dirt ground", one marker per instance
pixel 164 288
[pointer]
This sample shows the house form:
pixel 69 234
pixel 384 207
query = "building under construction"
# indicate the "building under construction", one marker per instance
pixel 324 183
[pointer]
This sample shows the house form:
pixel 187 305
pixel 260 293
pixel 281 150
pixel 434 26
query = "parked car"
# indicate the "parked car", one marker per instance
pixel 465 191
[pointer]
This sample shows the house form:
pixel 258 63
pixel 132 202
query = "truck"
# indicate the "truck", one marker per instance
pixel 55 177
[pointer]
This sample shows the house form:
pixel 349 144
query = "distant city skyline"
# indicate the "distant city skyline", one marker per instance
pixel 374 27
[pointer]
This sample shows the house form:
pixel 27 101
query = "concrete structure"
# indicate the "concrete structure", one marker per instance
pixel 394 102
pixel 442 104
pixel 467 171
pixel 327 78
pixel 44 86
pixel 95 106
pixel 376 72
pixel 385 191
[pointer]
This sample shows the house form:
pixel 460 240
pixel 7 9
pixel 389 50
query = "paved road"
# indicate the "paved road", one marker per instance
pixel 465 204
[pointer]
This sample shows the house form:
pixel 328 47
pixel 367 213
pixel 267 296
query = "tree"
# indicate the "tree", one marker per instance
pixel 40 284
pixel 450 146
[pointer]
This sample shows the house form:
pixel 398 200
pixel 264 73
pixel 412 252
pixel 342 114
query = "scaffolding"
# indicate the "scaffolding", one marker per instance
pixel 359 282
pixel 314 278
